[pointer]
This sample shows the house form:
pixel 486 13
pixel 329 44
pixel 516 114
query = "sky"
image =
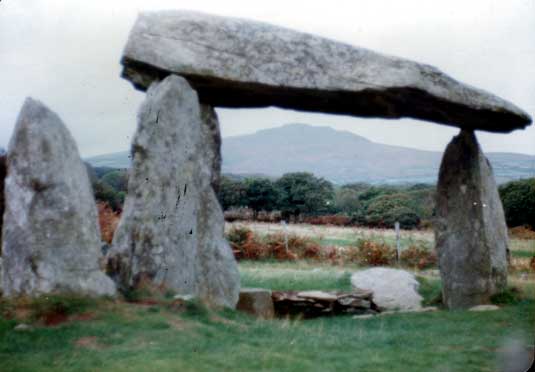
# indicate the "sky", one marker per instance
pixel 67 53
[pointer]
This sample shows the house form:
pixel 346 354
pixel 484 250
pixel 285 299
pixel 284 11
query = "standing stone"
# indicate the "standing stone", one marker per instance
pixel 51 238
pixel 171 231
pixel 470 229
pixel 2 178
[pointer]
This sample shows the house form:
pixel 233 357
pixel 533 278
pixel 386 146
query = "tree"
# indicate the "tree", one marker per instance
pixel 301 192
pixel 385 210
pixel 106 193
pixel 118 179
pixel 518 198
pixel 260 194
pixel 231 193
pixel 346 200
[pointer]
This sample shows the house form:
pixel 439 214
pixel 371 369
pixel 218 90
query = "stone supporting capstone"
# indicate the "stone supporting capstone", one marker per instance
pixel 50 236
pixel 171 231
pixel 470 230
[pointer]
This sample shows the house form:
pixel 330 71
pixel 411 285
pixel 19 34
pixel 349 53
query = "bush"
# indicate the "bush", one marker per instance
pixel 385 210
pixel 522 232
pixel 518 198
pixel 246 245
pixel 238 237
pixel 330 219
pixel 374 254
pixel 418 256
pixel 238 214
pixel 108 221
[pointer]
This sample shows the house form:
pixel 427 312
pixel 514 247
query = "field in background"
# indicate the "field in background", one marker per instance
pixel 522 250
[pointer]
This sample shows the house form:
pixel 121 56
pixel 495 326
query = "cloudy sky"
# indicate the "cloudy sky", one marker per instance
pixel 66 54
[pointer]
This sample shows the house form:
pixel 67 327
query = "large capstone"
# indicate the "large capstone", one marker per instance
pixel 240 63
pixel 470 229
pixel 51 237
pixel 171 232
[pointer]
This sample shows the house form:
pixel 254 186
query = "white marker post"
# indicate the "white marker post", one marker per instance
pixel 398 248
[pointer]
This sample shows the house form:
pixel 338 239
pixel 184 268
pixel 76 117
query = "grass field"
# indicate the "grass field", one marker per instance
pixel 111 335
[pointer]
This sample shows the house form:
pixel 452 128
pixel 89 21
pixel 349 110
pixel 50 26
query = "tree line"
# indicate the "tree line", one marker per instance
pixel 301 194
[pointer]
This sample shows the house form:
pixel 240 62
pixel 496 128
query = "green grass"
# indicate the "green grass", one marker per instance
pixel 523 254
pixel 294 276
pixel 129 337
pixel 404 242
pixel 337 242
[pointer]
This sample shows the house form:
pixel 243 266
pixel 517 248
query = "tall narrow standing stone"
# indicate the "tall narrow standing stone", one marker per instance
pixel 51 238
pixel 2 178
pixel 470 229
pixel 171 231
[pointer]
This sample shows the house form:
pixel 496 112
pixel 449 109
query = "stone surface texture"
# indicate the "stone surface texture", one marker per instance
pixel 393 289
pixel 240 63
pixel 51 237
pixel 257 302
pixel 470 230
pixel 171 231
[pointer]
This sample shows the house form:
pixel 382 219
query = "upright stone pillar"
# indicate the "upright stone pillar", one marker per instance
pixel 470 229
pixel 51 238
pixel 2 178
pixel 171 232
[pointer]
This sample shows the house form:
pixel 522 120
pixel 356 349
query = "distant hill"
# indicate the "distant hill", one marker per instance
pixel 339 156
pixel 113 160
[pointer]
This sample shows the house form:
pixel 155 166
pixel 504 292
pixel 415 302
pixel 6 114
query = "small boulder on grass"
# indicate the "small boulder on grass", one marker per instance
pixel 393 289
pixel 257 302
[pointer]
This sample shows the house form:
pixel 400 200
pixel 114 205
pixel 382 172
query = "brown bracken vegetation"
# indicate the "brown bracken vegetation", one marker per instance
pixel 108 221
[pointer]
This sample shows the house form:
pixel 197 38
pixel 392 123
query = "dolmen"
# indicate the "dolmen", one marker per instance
pixel 239 63
pixel 170 236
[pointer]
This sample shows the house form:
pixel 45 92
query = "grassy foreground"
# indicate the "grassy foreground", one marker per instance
pixel 119 336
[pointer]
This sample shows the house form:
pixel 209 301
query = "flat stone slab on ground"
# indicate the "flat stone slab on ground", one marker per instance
pixel 257 302
pixel 393 289
pixel 310 304
pixel 484 308
pixel 241 63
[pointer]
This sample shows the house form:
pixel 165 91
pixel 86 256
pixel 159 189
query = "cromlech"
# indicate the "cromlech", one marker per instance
pixel 171 232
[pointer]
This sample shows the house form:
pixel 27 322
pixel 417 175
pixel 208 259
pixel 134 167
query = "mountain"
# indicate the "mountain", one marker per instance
pixel 113 160
pixel 339 156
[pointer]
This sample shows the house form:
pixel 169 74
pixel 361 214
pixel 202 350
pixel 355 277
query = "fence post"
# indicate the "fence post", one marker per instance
pixel 398 248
